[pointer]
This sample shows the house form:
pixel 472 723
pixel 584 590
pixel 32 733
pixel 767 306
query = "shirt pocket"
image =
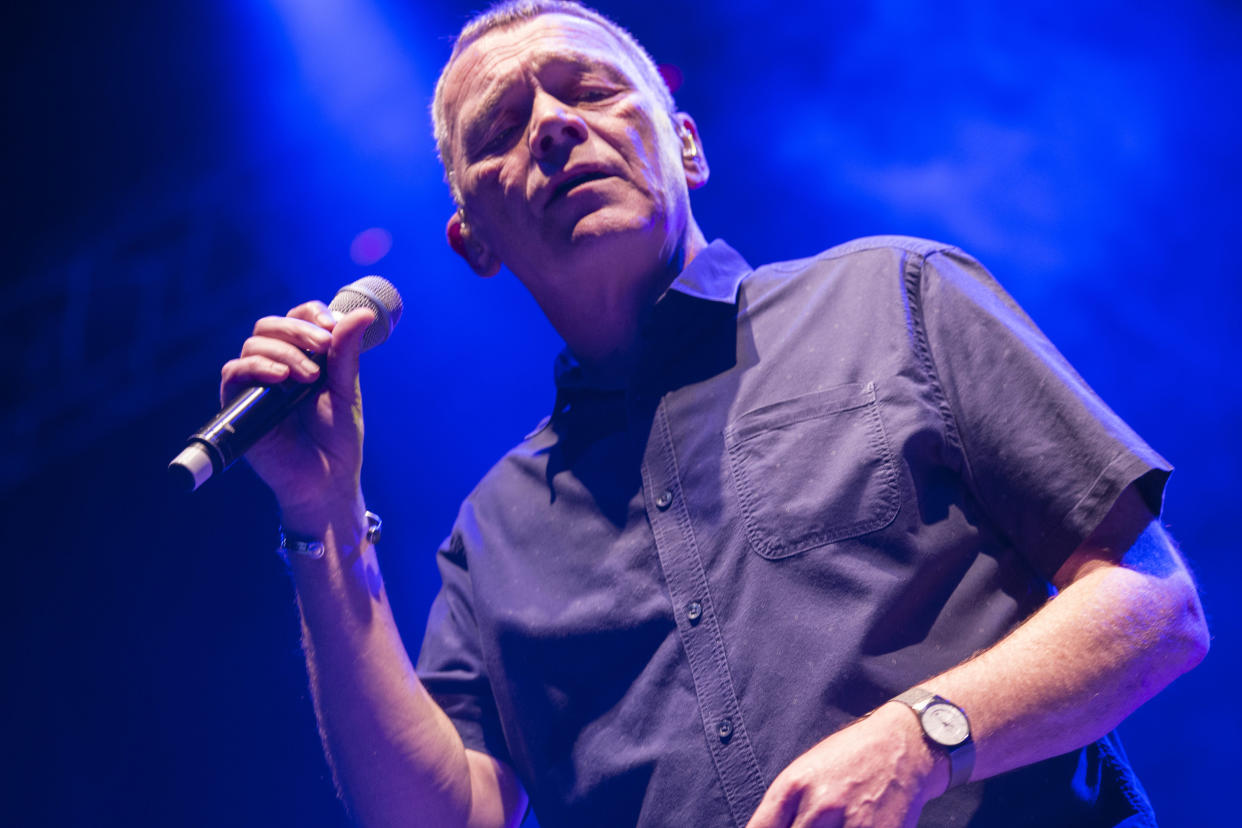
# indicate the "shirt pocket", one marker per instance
pixel 812 470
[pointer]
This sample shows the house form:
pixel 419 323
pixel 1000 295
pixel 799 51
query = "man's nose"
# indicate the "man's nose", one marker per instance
pixel 556 128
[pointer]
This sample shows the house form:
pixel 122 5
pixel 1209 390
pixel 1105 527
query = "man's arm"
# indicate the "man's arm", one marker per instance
pixel 396 756
pixel 1125 622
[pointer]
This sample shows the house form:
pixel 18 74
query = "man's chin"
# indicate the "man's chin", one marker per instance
pixel 607 227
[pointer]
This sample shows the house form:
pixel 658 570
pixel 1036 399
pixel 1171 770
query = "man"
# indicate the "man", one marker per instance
pixel 783 554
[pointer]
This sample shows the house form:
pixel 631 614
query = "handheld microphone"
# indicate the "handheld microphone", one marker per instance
pixel 258 409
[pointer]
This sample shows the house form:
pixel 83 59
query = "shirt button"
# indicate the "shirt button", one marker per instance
pixel 694 611
pixel 664 500
pixel 725 729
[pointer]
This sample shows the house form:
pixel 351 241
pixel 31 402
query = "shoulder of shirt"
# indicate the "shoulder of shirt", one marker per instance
pixel 922 247
pixel 906 244
pixel 534 442
pixel 540 426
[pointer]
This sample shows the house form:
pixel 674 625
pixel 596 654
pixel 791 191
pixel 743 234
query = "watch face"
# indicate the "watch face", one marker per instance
pixel 945 724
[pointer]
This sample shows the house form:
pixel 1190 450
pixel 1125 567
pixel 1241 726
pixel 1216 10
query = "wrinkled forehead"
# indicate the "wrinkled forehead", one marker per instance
pixel 502 56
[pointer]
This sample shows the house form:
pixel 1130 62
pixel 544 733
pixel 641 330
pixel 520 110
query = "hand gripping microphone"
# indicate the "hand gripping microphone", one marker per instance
pixel 259 408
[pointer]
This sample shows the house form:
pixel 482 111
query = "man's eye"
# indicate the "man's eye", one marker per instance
pixel 500 140
pixel 591 94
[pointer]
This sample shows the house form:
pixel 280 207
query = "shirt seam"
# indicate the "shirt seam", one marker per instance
pixel 922 248
pixel 914 292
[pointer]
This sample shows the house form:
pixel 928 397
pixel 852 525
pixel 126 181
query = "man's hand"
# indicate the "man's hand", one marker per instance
pixel 876 773
pixel 315 456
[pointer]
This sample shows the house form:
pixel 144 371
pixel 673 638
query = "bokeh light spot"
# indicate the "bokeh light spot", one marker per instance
pixel 672 76
pixel 369 246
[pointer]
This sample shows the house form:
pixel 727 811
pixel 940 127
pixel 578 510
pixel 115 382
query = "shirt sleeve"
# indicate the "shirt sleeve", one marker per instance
pixel 1042 452
pixel 451 663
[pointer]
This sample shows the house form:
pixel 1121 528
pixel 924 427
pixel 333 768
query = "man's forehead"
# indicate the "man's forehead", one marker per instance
pixel 500 53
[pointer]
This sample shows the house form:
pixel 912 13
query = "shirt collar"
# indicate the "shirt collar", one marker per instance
pixel 713 275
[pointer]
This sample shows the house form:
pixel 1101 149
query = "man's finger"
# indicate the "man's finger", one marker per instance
pixel 314 311
pixel 238 373
pixel 308 336
pixel 778 808
pixel 832 818
pixel 303 368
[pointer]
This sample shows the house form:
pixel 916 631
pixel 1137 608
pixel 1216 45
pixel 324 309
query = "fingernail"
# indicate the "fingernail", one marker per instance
pixel 310 367
pixel 325 319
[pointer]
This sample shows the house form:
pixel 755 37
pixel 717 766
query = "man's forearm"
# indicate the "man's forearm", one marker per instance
pixel 1122 627
pixel 1110 640
pixel 396 756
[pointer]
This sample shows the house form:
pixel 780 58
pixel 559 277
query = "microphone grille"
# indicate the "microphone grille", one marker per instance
pixel 378 294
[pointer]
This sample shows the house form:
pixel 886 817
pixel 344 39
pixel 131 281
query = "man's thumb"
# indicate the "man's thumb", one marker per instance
pixel 346 346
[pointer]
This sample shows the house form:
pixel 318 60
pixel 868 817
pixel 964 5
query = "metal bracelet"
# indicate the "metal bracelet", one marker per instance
pixel 313 548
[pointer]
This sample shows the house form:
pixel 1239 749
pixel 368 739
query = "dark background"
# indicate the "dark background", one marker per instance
pixel 174 171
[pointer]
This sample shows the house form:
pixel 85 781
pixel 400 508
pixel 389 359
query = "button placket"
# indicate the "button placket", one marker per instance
pixel 736 765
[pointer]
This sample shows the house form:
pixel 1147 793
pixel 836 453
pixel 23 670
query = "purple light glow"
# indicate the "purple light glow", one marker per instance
pixel 369 246
pixel 672 76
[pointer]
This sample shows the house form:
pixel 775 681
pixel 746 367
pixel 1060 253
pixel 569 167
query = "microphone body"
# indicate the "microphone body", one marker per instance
pixel 258 409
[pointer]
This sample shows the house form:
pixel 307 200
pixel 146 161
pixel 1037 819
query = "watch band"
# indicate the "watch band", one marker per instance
pixel 962 755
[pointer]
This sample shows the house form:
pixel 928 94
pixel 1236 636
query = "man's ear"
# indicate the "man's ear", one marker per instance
pixel 692 158
pixel 465 244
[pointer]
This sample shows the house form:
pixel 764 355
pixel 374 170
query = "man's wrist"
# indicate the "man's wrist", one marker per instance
pixel 946 731
pixel 929 767
pixel 316 518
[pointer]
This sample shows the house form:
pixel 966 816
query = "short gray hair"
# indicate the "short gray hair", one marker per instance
pixel 510 13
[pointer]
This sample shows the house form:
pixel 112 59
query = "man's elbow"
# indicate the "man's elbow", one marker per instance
pixel 1167 622
pixel 1175 626
pixel 1188 627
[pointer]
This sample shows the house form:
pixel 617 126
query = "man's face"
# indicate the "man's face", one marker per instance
pixel 563 155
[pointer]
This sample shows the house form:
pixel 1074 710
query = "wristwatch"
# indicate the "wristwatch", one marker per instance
pixel 946 727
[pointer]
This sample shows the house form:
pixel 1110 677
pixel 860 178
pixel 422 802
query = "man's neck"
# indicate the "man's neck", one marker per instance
pixel 607 342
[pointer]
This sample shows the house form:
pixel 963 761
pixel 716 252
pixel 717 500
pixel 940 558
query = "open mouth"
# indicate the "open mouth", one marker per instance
pixel 568 185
